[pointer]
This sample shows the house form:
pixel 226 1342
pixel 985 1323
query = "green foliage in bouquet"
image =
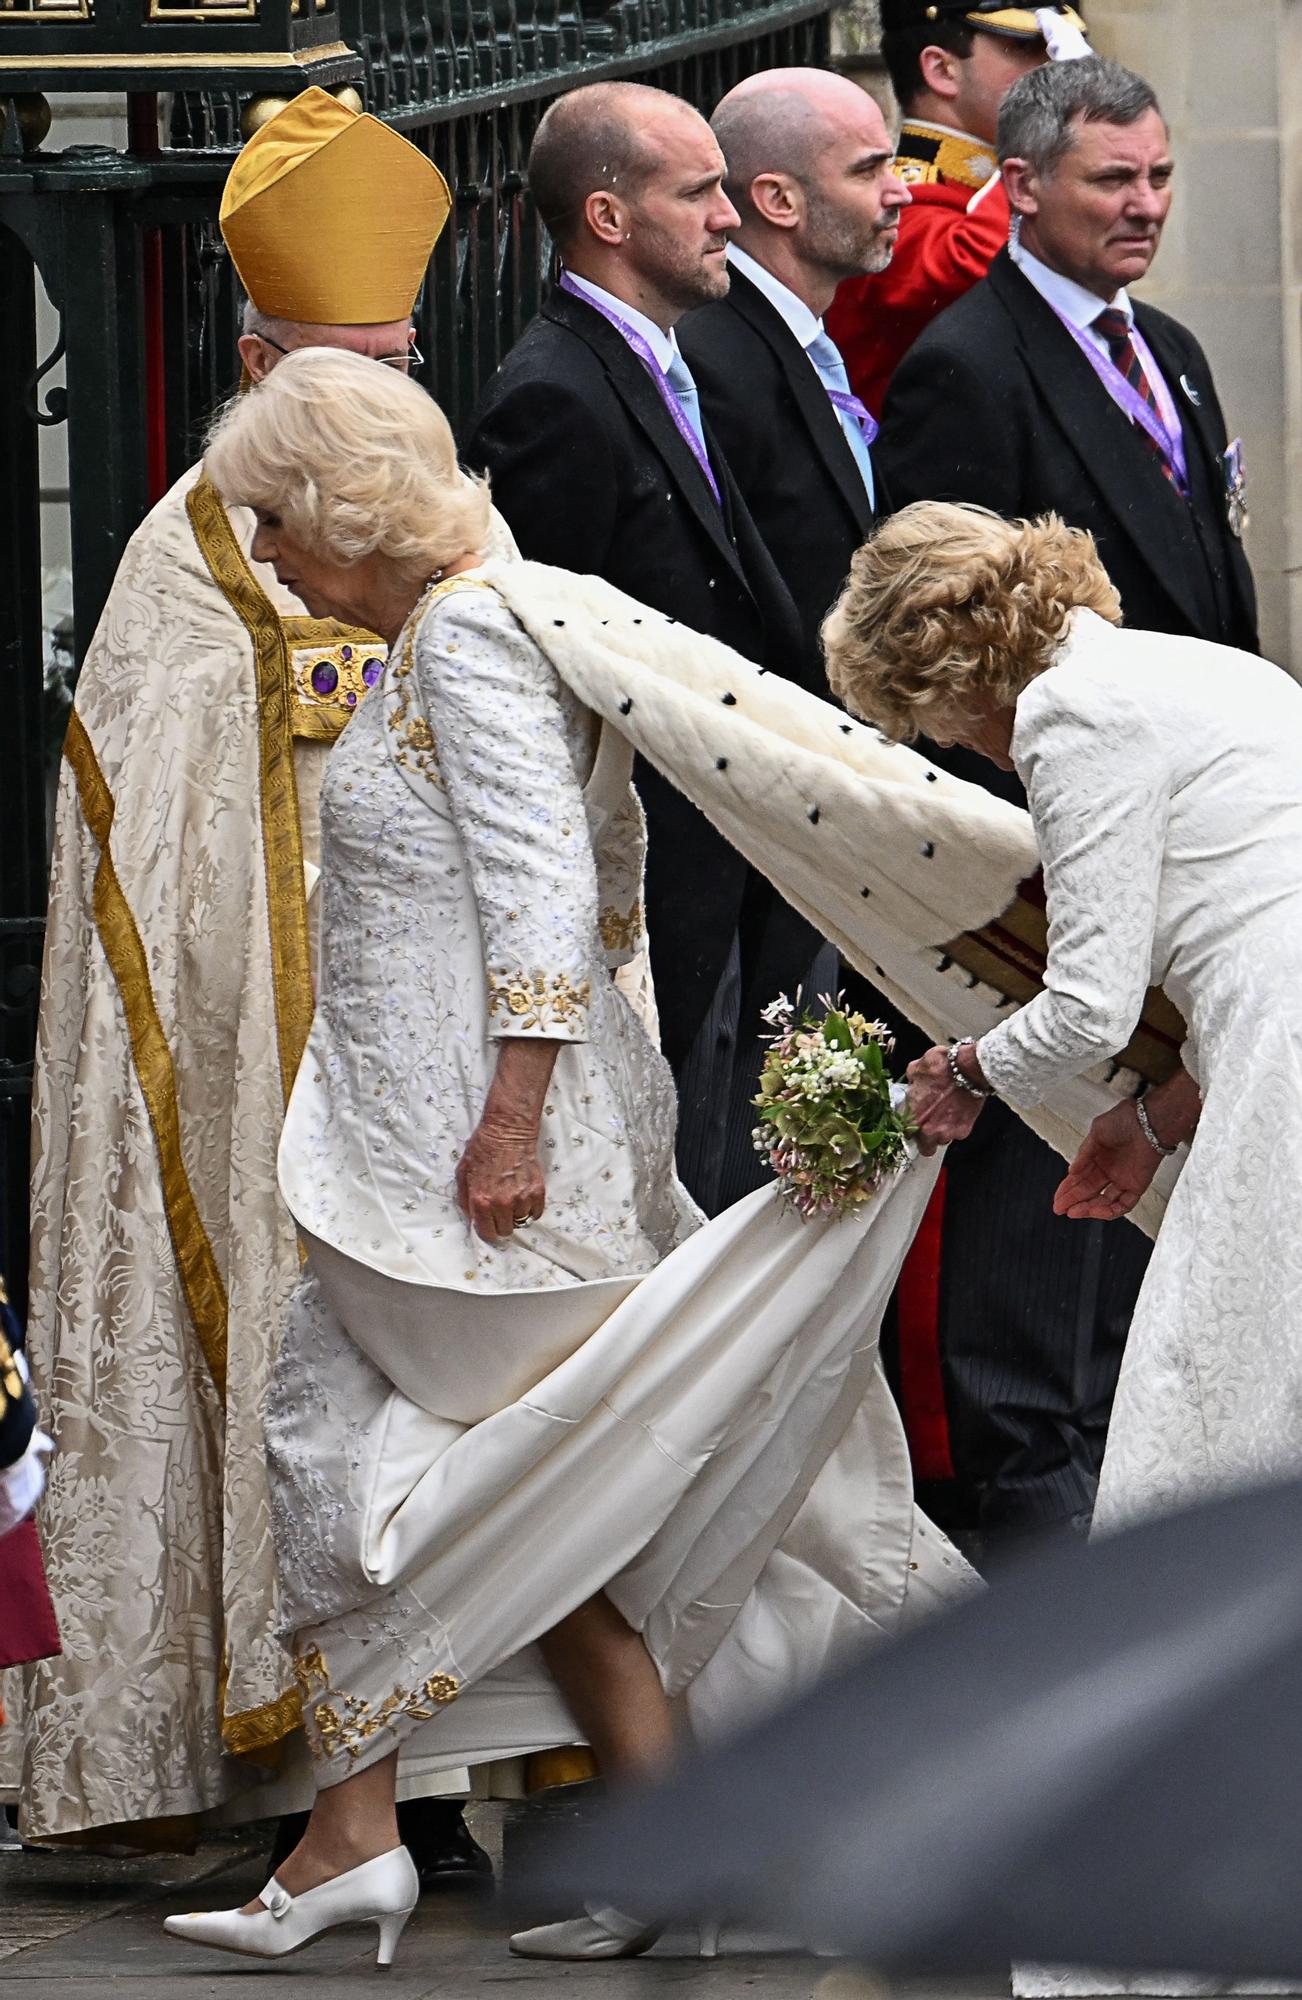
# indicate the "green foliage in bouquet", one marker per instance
pixel 832 1121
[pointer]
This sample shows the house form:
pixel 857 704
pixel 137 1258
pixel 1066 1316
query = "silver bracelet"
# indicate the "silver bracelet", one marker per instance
pixel 1146 1127
pixel 963 1082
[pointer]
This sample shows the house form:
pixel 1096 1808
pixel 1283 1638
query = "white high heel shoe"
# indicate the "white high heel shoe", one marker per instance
pixel 602 1933
pixel 382 1891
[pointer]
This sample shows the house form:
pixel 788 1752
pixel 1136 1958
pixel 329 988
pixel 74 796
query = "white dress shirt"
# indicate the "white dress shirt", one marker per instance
pixel 804 324
pixel 665 350
pixel 1080 308
pixel 663 345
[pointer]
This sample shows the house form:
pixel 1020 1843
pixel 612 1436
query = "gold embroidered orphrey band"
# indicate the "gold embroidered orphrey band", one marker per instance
pixel 254 1730
pixel 257 1729
pixel 282 835
pixel 201 1281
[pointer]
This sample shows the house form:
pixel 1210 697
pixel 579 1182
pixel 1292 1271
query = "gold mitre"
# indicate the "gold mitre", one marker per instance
pixel 330 217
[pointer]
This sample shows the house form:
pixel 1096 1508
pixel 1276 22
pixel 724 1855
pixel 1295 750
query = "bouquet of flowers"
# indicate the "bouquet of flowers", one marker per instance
pixel 831 1121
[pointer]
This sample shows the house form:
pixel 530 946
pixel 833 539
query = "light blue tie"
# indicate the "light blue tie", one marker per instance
pixel 826 357
pixel 680 379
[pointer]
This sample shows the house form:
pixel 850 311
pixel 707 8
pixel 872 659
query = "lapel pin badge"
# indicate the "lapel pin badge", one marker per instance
pixel 1191 392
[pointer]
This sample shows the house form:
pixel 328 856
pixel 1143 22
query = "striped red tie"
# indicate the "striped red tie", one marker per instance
pixel 1115 329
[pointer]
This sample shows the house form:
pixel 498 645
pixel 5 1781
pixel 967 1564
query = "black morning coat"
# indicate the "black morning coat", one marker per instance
pixel 996 403
pixel 787 451
pixel 591 474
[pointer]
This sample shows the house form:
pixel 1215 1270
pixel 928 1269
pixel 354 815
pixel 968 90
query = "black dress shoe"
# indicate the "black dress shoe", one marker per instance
pixel 289 1831
pixel 446 1853
pixel 435 1834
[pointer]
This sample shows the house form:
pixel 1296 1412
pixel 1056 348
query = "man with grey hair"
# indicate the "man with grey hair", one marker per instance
pixel 263 340
pixel 1046 390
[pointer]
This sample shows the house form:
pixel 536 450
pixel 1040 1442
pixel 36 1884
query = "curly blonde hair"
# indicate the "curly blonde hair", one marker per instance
pixel 355 458
pixel 950 606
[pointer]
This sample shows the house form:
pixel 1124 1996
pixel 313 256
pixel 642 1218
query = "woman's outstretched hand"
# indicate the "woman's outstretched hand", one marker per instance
pixel 941 1111
pixel 1116 1163
pixel 1112 1170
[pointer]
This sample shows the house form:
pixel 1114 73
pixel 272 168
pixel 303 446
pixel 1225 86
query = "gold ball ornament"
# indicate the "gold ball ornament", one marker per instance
pixel 34 117
pixel 258 112
pixel 350 98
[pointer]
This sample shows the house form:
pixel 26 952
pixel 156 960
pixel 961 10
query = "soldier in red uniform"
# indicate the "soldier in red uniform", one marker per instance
pixel 951 63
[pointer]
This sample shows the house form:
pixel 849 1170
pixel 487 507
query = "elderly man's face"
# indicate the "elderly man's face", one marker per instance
pixel 676 226
pixel 1098 218
pixel 390 342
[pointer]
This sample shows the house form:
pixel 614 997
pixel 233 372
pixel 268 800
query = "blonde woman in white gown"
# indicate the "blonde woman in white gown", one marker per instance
pixel 1164 778
pixel 535 1474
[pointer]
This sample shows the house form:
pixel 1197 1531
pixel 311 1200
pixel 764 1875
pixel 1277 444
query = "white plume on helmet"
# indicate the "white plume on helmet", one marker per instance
pixel 1062 38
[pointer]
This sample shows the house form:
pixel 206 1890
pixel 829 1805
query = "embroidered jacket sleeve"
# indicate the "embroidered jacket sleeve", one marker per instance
pixel 620 842
pixel 1098 790
pixel 507 744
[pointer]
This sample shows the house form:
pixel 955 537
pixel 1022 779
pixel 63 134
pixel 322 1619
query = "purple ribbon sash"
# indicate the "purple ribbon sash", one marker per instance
pixel 1163 424
pixel 668 395
pixel 850 406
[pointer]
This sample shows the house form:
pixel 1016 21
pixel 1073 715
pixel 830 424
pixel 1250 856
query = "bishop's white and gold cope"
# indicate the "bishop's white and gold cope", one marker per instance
pixel 176 1002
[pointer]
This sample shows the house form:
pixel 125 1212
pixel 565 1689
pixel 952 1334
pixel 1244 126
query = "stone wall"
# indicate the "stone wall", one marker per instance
pixel 1229 74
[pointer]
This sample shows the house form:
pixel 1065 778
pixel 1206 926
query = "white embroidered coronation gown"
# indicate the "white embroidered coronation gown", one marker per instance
pixel 1164 777
pixel 468 1440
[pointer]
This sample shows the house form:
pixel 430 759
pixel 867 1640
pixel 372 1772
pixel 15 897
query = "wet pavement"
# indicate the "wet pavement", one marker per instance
pixel 78 1927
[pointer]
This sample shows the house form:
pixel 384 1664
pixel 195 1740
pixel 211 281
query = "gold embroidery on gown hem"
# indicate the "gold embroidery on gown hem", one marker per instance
pixel 350 1730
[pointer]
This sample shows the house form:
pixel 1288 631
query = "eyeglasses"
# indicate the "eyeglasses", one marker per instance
pixel 411 357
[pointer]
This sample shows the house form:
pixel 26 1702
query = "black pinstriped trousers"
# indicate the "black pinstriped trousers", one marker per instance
pixel 1031 1313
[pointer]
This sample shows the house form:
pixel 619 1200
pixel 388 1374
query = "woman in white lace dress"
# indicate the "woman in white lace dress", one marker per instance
pixel 534 1475
pixel 1164 778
